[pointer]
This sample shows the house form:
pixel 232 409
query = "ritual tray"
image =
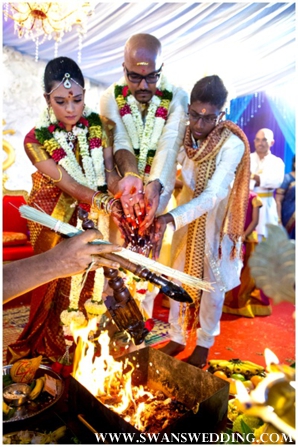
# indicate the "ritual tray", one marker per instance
pixel 30 409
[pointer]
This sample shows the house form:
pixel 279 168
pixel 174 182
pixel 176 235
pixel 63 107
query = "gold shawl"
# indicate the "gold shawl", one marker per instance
pixel 233 223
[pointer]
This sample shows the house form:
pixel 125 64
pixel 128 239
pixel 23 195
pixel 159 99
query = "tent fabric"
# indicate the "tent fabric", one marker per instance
pixel 250 45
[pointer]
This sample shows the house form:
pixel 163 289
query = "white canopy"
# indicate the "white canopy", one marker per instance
pixel 250 45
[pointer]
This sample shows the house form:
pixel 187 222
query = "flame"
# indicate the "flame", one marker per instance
pixel 102 376
pixel 271 360
pixel 107 379
pixel 268 392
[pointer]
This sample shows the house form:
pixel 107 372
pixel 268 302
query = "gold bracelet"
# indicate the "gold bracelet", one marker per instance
pixel 53 180
pixel 93 198
pixel 110 170
pixel 133 174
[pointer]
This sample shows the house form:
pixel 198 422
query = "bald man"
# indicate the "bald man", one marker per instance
pixel 149 114
pixel 267 173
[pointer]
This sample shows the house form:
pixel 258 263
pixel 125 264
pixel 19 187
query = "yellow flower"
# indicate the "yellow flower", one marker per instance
pixel 51 145
pixel 165 103
pixel 95 132
pixel 120 101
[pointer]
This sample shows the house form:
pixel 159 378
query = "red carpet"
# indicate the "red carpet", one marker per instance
pixel 246 338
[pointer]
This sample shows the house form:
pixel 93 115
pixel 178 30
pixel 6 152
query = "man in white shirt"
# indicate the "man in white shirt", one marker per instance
pixel 267 173
pixel 209 218
pixel 149 114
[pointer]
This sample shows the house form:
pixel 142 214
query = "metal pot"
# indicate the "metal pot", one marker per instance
pixel 16 394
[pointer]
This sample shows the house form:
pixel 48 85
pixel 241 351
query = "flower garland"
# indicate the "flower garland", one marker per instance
pixel 137 287
pixel 95 306
pixel 53 136
pixel 144 137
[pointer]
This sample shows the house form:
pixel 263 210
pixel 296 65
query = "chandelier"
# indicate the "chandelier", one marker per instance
pixel 43 21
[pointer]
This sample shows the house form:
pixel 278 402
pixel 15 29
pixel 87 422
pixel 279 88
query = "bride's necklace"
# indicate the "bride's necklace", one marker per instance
pixel 70 139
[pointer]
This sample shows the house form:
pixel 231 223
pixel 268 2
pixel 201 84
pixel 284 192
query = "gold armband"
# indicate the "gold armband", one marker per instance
pixel 52 179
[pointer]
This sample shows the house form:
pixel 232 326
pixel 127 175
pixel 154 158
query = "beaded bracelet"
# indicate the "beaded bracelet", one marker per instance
pixel 133 174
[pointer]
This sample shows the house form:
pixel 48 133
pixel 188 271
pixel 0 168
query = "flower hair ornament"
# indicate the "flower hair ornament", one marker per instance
pixel 66 82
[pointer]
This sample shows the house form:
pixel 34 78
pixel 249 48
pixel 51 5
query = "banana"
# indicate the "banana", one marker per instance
pixel 5 407
pixel 245 367
pixel 59 433
pixel 38 388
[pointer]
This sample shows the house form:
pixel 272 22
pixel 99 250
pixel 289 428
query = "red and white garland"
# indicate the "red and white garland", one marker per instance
pixel 144 136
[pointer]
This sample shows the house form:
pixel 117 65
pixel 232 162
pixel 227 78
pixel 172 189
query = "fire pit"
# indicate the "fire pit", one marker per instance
pixel 204 395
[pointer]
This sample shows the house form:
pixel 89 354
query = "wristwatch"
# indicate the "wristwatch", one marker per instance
pixel 161 185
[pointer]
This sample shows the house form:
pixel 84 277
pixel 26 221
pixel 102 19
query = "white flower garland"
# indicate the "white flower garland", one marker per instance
pixel 145 136
pixel 93 165
pixel 94 306
pixel 94 175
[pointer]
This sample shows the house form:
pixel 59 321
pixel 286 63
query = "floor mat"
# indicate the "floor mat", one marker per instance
pixel 14 320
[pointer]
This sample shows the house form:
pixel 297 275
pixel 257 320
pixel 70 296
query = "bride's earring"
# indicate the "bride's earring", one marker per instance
pixel 51 115
pixel 84 111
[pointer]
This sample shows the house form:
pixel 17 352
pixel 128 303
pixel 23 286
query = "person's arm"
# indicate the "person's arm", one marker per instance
pixel 218 186
pixel 171 139
pixel 112 175
pixel 56 173
pixel 280 195
pixel 217 189
pixel 279 198
pixel 129 185
pixel 157 191
pixel 159 228
pixel 254 222
pixel 164 163
pixel 70 257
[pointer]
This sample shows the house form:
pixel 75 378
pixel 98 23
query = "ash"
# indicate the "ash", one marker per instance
pixel 150 413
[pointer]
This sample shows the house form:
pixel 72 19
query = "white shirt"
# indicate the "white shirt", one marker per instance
pixel 163 167
pixel 271 171
pixel 213 200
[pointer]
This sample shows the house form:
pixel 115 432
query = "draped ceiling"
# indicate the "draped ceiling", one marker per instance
pixel 250 45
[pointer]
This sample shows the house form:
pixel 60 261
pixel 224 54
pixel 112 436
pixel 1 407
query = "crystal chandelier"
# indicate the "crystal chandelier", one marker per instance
pixel 49 20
